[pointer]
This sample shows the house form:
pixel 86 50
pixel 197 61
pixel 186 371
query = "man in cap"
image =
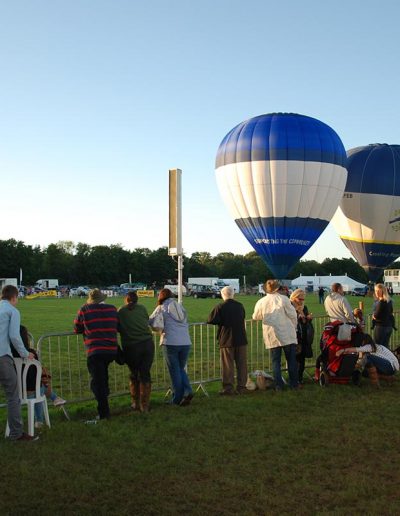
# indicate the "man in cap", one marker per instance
pixel 279 322
pixel 230 316
pixel 98 322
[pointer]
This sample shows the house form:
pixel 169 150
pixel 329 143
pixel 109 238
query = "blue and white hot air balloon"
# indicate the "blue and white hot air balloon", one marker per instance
pixel 282 176
pixel 368 218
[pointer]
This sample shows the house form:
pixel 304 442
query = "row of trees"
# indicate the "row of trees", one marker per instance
pixel 76 264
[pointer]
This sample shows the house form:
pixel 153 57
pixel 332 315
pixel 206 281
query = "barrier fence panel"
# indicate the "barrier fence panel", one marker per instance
pixel 63 354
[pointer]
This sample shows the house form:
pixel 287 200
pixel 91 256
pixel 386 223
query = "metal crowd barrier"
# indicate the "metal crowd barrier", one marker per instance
pixel 63 354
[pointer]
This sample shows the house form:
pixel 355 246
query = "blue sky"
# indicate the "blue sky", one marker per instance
pixel 98 99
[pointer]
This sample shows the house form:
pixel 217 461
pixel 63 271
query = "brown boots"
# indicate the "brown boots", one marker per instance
pixel 140 394
pixel 135 394
pixel 145 390
pixel 373 376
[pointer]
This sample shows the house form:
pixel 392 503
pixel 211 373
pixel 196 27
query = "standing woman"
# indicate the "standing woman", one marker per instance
pixel 176 344
pixel 383 316
pixel 138 346
pixel 304 330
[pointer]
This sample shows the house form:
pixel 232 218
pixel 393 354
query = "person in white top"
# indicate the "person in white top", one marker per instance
pixel 279 322
pixel 337 307
pixel 380 360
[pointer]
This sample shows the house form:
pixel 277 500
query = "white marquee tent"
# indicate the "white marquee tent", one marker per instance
pixel 315 282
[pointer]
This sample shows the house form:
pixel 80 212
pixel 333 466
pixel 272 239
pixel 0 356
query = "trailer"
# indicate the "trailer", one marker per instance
pixel 47 284
pixel 8 281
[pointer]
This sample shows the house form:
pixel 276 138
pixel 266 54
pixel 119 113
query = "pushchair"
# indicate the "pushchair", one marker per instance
pixel 342 369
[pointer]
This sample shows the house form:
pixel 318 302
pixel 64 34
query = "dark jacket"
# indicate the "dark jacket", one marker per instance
pixel 229 316
pixel 383 313
pixel 99 323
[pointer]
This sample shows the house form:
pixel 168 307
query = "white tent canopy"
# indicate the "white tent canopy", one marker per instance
pixel 315 282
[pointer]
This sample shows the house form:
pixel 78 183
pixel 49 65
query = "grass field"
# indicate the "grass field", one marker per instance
pixel 50 315
pixel 317 451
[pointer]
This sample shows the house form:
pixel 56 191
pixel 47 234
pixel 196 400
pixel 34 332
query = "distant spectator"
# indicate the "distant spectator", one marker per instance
pixel 229 316
pixel 337 307
pixel 321 295
pixel 98 322
pixel 176 344
pixel 138 346
pixel 279 322
pixel 382 317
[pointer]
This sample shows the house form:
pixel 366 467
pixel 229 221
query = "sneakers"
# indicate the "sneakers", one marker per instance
pixel 59 401
pixel 39 424
pixel 26 437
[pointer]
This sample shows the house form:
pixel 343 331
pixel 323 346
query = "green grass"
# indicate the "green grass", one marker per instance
pixel 318 451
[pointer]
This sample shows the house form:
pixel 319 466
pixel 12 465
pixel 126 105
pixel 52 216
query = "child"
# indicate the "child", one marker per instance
pixel 31 381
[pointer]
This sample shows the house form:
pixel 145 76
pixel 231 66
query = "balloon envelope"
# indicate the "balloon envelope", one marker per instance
pixel 282 177
pixel 368 218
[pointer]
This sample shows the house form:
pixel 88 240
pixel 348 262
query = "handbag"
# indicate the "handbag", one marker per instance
pixel 120 356
pixel 156 320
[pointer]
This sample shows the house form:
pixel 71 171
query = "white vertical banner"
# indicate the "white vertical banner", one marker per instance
pixel 20 276
pixel 175 223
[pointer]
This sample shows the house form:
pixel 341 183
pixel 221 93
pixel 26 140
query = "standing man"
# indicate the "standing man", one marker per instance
pixel 98 322
pixel 9 334
pixel 229 316
pixel 279 320
pixel 337 307
pixel 321 293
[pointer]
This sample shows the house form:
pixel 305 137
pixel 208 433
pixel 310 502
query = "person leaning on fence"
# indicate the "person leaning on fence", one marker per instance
pixel 138 346
pixel 304 330
pixel 176 344
pixel 9 334
pixel 337 307
pixel 279 321
pixel 230 316
pixel 98 322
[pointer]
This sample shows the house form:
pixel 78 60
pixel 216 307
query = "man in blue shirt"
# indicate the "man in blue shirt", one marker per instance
pixel 9 333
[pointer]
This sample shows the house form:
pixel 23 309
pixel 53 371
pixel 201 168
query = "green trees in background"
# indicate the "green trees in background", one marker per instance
pixel 77 264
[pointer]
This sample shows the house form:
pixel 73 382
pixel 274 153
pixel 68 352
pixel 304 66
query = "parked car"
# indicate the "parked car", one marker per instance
pixel 359 291
pixel 204 291
pixel 83 291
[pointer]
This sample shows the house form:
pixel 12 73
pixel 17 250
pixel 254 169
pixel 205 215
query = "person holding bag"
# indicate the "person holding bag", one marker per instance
pixel 382 318
pixel 138 348
pixel 176 344
pixel 304 330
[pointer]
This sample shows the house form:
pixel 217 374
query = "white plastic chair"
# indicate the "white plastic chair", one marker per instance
pixel 23 395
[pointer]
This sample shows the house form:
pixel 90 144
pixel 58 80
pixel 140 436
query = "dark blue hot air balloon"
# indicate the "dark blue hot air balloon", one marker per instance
pixel 368 219
pixel 282 176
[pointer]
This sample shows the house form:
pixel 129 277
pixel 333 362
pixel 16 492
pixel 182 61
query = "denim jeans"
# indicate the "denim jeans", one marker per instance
pixel 290 354
pixel 382 335
pixel 176 360
pixel 39 414
pixel 383 366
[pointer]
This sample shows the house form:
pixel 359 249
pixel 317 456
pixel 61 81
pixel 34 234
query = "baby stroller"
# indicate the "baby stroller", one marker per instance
pixel 342 369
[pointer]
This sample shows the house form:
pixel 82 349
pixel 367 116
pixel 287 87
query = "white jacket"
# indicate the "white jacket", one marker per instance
pixel 279 320
pixel 338 308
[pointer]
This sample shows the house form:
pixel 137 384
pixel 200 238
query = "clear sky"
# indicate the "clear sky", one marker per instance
pixel 99 98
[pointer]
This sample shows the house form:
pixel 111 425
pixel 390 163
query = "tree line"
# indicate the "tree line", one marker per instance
pixel 102 265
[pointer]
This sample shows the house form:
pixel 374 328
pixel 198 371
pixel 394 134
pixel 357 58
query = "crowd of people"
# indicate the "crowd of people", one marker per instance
pixel 286 322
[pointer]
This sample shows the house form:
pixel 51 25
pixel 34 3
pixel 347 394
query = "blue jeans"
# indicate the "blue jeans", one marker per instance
pixel 382 335
pixel 176 360
pixel 290 354
pixel 39 414
pixel 383 366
